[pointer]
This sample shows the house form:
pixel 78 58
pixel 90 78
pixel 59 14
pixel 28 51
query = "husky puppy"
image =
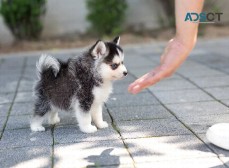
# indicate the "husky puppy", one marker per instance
pixel 81 84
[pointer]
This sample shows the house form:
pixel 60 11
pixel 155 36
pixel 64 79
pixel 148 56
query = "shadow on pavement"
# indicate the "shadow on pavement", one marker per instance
pixel 106 154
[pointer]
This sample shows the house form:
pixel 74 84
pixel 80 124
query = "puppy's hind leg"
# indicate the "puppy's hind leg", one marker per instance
pixel 40 112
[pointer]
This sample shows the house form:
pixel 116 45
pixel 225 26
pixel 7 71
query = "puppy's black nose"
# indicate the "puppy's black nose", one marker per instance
pixel 125 73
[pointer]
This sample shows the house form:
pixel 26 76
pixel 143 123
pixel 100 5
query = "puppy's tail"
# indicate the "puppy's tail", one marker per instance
pixel 45 62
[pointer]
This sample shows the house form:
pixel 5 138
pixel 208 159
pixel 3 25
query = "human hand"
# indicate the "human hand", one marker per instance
pixel 174 55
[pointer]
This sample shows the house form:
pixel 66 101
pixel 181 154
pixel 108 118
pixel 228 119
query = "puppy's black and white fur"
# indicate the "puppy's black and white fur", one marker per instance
pixel 81 84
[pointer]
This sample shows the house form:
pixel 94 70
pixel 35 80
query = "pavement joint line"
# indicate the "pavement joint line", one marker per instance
pixel 175 89
pixel 200 101
pixel 214 68
pixel 31 101
pixel 215 100
pixel 140 105
pixel 16 91
pixel 148 137
pixel 25 91
pixel 26 115
pixel 204 90
pixel 146 119
pixel 224 103
pixel 195 157
pixel 53 146
pixel 17 128
pixel 115 94
pixel 115 127
pixel 193 132
pixel 187 127
pixel 19 147
pixel 104 165
pixel 6 102
pixel 210 87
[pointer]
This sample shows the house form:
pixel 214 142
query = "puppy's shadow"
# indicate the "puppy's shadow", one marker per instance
pixel 104 157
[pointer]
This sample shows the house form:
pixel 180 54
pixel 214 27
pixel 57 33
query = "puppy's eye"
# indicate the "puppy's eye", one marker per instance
pixel 114 66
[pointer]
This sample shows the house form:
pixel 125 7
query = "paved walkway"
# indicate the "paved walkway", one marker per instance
pixel 163 126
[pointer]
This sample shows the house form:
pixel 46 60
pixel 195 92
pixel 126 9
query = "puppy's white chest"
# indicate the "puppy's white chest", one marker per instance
pixel 101 93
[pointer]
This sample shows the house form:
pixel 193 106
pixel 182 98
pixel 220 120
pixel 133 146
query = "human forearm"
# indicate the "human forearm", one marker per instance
pixel 177 49
pixel 186 32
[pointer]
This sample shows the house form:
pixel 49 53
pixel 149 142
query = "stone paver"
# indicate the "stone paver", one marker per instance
pixel 6 98
pixel 212 60
pixel 167 148
pixel 18 122
pixel 72 134
pixel 163 126
pixel 189 163
pixel 26 86
pixel 198 70
pixel 2 122
pixel 219 93
pixel 139 112
pixel 22 109
pixel 221 152
pixel 226 102
pixel 225 160
pixel 172 84
pixel 24 138
pixel 94 153
pixel 200 124
pixel 131 100
pixel 140 71
pixel 4 108
pixel 35 156
pixel 193 109
pixel 68 118
pixel 151 128
pixel 207 82
pixel 133 61
pixel 121 88
pixel 182 96
pixel 24 97
pixel 7 87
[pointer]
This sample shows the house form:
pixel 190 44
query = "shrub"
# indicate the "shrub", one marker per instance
pixel 23 17
pixel 106 16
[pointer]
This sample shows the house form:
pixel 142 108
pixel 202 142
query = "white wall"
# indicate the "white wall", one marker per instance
pixel 69 16
pixel 65 17
pixel 144 14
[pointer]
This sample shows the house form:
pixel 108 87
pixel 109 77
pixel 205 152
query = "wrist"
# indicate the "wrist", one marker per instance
pixel 187 42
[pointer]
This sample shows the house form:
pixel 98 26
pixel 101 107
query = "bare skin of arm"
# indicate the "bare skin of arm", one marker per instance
pixel 177 49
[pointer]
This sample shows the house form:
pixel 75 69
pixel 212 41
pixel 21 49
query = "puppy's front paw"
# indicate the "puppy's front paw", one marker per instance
pixel 37 128
pixel 102 124
pixel 88 129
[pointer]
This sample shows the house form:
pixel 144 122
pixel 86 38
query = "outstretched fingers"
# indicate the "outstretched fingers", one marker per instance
pixel 147 80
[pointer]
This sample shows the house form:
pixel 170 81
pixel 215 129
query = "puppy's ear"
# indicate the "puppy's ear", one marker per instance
pixel 116 40
pixel 99 49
